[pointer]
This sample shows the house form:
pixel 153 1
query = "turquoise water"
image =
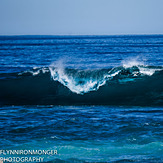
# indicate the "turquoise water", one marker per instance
pixel 86 133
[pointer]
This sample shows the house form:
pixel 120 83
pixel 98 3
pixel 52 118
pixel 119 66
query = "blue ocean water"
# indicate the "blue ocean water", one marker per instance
pixel 92 98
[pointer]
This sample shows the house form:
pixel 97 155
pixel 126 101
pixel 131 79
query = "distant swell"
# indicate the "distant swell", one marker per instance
pixel 124 85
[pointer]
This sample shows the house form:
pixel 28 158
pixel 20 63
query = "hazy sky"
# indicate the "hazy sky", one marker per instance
pixel 88 17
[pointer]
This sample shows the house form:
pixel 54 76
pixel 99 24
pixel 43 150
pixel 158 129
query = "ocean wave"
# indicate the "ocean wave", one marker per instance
pixel 128 84
pixel 81 82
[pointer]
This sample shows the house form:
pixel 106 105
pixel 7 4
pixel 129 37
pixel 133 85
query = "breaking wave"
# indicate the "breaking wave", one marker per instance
pixel 130 84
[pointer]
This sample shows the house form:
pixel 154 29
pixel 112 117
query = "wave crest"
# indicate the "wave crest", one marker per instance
pixel 84 81
pixel 136 85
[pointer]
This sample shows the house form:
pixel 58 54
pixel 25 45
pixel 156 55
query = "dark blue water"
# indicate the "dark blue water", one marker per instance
pixel 92 98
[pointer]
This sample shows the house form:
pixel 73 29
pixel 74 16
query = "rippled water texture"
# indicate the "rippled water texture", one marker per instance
pixel 91 98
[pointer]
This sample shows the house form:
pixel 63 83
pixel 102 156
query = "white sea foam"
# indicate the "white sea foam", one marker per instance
pixel 86 84
pixel 58 74
pixel 82 85
pixel 143 69
pixel 130 62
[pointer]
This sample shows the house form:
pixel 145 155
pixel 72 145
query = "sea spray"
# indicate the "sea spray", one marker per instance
pixel 130 84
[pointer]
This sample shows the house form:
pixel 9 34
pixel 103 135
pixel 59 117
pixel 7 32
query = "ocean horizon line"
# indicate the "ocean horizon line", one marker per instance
pixel 56 35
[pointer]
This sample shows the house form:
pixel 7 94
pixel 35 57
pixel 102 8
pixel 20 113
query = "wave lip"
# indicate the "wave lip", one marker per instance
pixel 82 82
pixel 75 83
